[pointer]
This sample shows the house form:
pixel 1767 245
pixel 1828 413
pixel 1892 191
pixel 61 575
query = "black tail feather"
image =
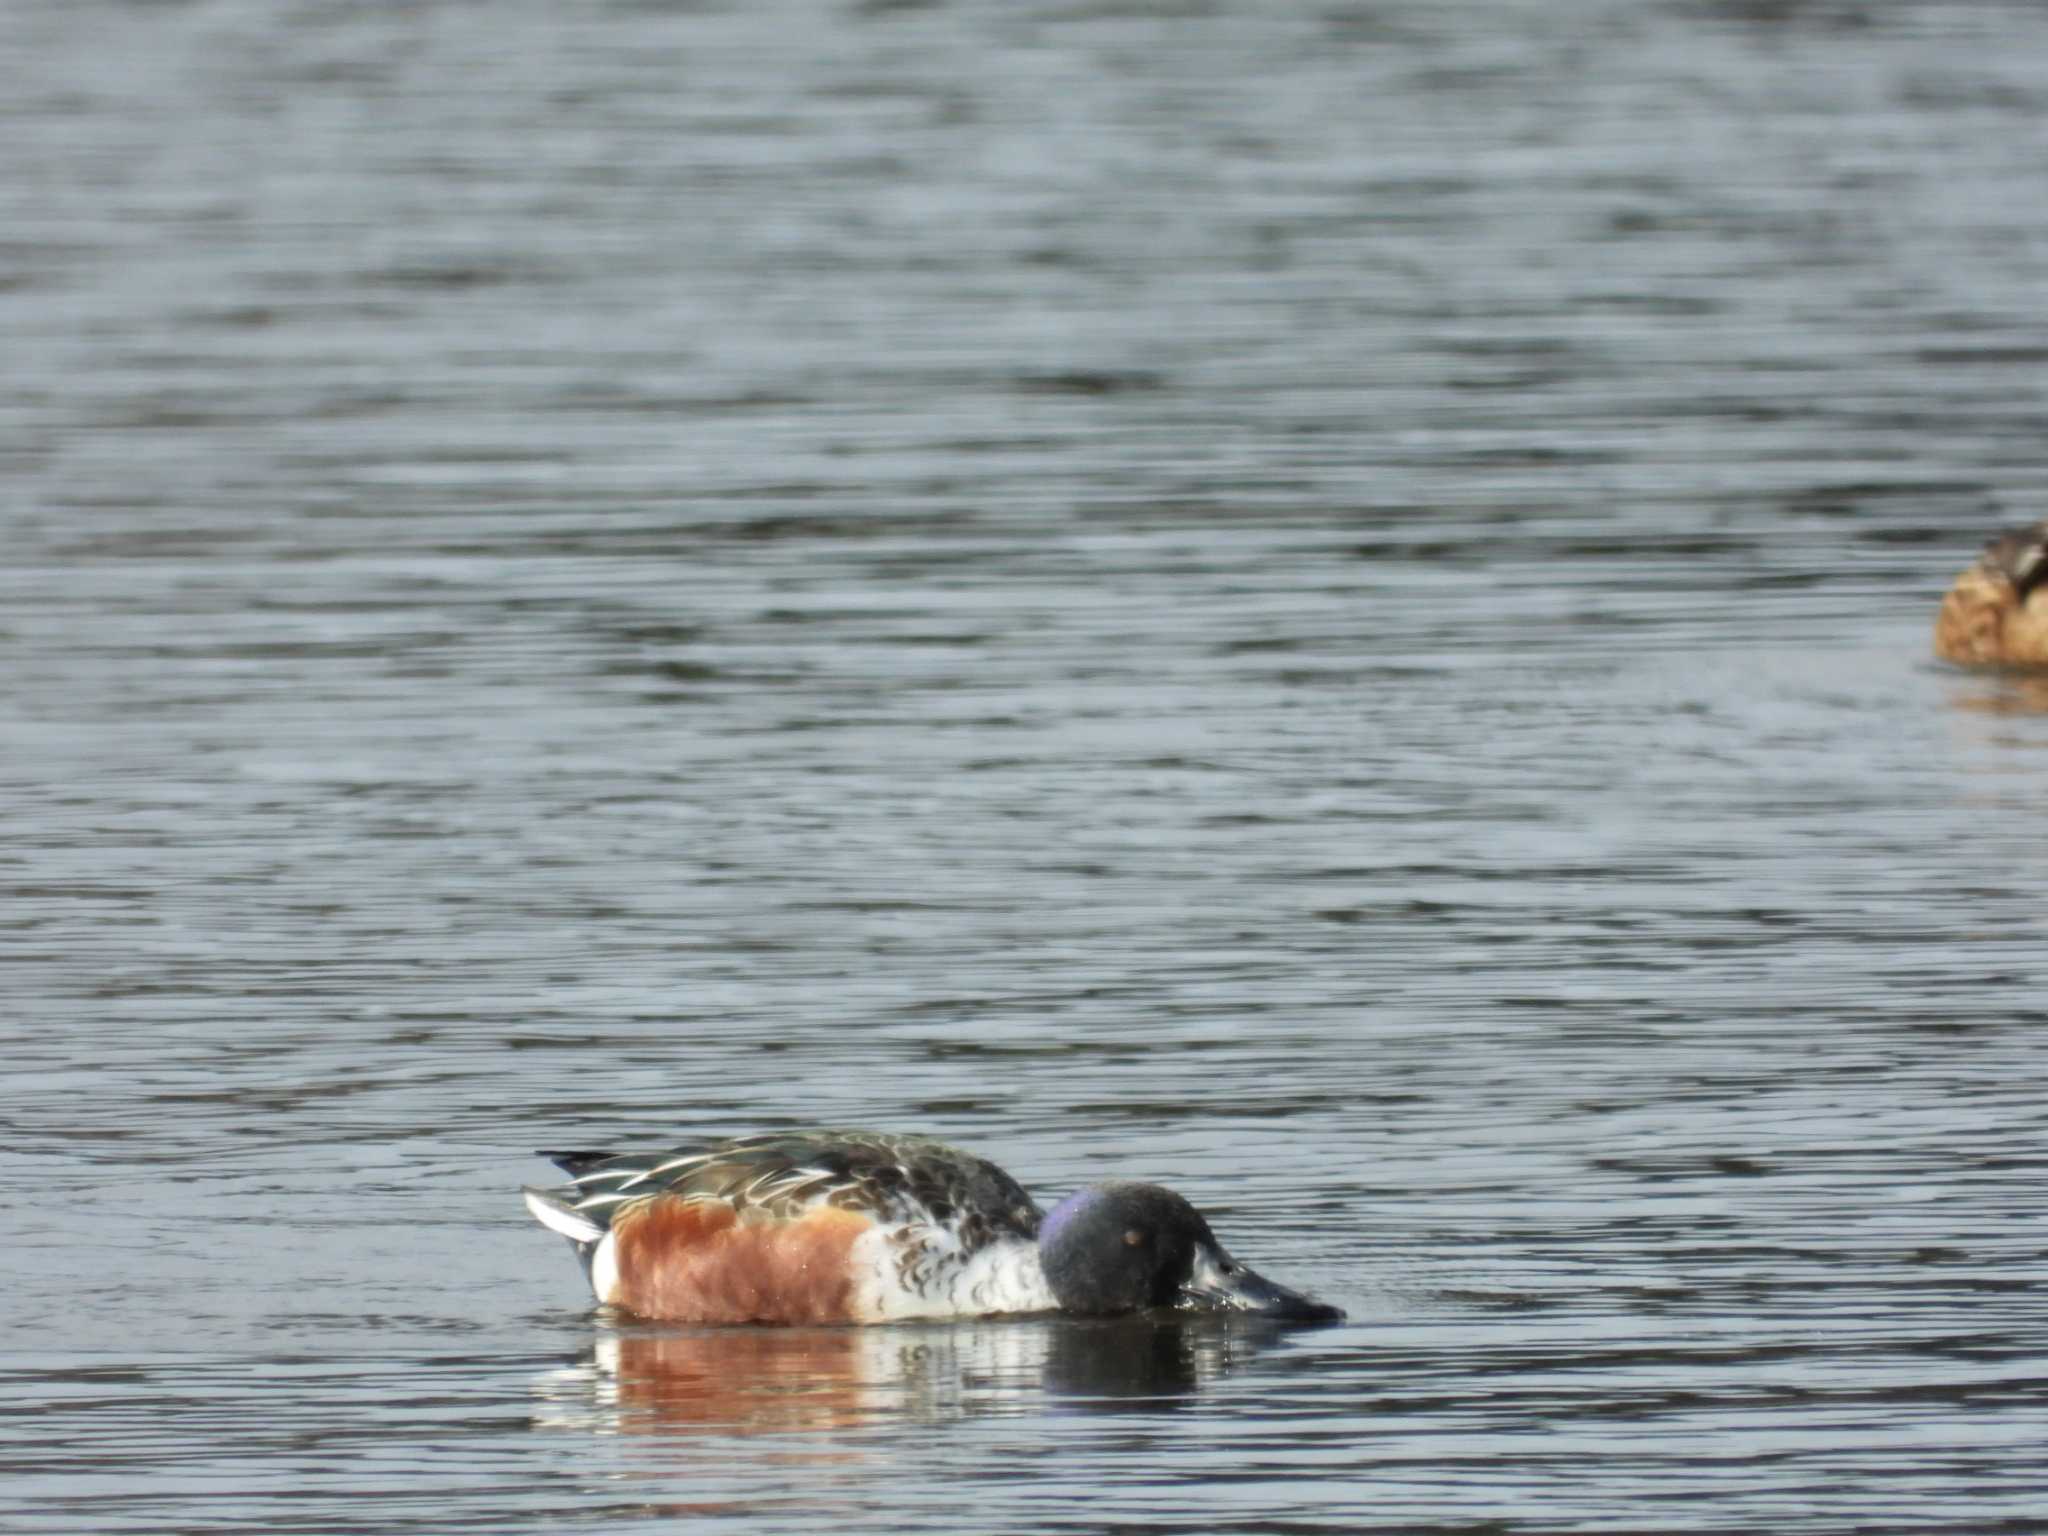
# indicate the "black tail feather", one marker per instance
pixel 576 1164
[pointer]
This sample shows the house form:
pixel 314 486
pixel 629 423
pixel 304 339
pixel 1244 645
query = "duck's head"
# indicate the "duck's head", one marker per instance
pixel 1127 1247
pixel 2021 557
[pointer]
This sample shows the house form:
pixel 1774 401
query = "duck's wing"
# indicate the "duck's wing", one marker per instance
pixel 780 1175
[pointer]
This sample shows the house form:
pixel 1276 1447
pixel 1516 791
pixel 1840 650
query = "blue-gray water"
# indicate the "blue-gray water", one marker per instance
pixel 1323 602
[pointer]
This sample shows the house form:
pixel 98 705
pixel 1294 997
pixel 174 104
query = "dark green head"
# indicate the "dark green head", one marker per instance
pixel 1129 1247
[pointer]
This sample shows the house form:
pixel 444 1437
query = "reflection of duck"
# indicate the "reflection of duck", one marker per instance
pixel 858 1227
pixel 1990 616
pixel 1157 1357
pixel 750 1378
pixel 2009 694
pixel 680 1381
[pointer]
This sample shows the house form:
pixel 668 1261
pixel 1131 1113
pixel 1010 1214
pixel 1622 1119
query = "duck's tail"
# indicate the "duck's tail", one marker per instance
pixel 558 1215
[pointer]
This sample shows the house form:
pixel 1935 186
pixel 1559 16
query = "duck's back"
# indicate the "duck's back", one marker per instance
pixel 808 1226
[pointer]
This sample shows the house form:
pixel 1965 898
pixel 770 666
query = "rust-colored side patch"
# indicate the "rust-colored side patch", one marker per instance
pixel 694 1261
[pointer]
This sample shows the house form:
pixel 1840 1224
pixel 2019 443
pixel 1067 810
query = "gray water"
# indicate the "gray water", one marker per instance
pixel 1327 603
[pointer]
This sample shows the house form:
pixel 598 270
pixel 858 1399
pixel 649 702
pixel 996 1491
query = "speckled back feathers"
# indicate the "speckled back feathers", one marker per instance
pixel 781 1174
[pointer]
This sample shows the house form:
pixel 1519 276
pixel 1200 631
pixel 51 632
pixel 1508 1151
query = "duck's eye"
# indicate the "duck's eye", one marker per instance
pixel 1134 1237
pixel 1227 1268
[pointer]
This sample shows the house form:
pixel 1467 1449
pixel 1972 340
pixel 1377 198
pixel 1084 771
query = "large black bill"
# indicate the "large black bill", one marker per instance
pixel 1219 1283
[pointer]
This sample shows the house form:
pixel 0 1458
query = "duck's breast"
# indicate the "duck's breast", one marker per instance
pixel 903 1273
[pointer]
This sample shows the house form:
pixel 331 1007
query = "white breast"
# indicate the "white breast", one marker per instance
pixel 911 1272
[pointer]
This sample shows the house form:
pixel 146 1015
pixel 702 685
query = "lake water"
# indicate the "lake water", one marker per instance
pixel 1324 602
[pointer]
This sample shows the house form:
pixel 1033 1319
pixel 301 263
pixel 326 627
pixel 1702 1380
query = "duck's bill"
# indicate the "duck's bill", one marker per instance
pixel 1218 1283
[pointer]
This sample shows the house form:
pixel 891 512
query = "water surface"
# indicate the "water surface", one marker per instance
pixel 1324 603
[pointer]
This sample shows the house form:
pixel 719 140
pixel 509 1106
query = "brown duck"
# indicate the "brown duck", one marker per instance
pixel 1996 614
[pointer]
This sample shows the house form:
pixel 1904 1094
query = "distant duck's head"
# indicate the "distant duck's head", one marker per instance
pixel 1129 1247
pixel 2020 556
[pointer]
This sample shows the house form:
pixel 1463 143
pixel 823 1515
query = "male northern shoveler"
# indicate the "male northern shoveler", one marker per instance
pixel 862 1227
pixel 1990 616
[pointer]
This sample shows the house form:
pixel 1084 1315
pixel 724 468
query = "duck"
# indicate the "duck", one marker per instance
pixel 849 1226
pixel 1989 617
